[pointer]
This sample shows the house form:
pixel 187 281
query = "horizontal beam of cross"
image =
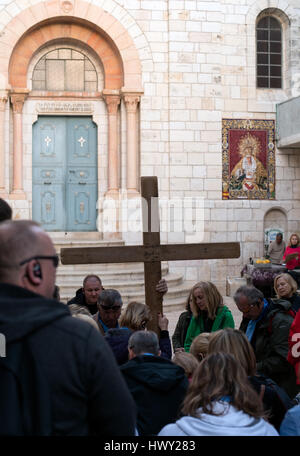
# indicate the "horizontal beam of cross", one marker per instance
pixel 148 254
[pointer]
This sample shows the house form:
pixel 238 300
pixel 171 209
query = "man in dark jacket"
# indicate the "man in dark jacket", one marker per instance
pixel 88 294
pixel 157 385
pixel 267 324
pixel 74 361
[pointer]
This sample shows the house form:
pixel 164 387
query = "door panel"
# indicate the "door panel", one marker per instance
pixel 82 174
pixel 81 207
pixel 65 173
pixel 48 189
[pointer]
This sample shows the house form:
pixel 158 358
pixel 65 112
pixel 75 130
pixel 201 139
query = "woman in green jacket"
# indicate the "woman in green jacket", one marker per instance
pixel 209 312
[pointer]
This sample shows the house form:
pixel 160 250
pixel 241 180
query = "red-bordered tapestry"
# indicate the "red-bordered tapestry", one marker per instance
pixel 248 156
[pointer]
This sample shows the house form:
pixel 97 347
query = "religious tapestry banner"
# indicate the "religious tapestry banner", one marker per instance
pixel 248 157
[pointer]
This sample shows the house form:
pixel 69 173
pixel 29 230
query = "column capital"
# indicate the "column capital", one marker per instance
pixel 131 101
pixel 112 103
pixel 3 101
pixel 17 99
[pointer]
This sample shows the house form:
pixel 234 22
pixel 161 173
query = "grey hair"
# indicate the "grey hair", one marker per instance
pixel 110 297
pixel 251 293
pixel 76 309
pixel 144 342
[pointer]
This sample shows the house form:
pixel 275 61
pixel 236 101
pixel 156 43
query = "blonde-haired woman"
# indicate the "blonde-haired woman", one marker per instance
pixel 220 401
pixel 209 312
pixel 199 346
pixel 293 249
pixel 187 361
pixel 286 288
pixel 135 318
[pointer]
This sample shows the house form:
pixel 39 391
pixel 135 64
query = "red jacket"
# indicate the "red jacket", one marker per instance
pixel 294 346
pixel 295 262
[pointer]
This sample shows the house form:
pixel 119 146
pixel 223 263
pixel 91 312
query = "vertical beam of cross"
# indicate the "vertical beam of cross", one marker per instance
pixel 151 240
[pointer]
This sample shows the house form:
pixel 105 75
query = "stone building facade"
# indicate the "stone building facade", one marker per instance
pixel 167 73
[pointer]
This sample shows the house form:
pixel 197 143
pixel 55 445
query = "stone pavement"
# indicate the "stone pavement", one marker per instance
pixel 228 301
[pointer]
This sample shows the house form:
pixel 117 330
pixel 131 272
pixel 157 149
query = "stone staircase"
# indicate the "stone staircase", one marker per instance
pixel 127 278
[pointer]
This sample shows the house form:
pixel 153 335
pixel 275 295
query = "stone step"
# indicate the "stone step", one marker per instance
pixel 62 243
pixel 79 235
pixel 127 278
pixel 69 287
pixel 69 274
pixel 175 298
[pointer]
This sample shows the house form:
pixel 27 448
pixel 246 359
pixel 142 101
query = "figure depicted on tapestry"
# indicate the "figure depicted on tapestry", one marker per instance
pixel 248 159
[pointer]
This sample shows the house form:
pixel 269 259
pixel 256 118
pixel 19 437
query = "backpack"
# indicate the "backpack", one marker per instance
pixel 290 312
pixel 275 400
pixel 24 393
pixel 281 395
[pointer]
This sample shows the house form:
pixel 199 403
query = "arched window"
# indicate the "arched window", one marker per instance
pixel 64 70
pixel 269 53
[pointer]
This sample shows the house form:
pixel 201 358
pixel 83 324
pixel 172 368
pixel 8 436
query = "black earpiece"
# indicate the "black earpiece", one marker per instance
pixel 37 272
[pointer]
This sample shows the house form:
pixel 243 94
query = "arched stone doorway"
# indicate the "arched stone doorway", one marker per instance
pixel 275 220
pixel 115 59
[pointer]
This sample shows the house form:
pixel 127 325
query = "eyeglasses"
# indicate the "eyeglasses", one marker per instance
pixel 108 308
pixel 53 258
pixel 245 309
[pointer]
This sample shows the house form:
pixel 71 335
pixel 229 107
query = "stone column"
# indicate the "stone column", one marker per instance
pixel 17 99
pixel 112 102
pixel 3 100
pixel 131 102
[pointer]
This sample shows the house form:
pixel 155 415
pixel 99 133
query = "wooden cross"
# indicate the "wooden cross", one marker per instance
pixel 151 253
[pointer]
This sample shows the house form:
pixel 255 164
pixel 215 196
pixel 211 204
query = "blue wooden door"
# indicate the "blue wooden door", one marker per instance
pixel 81 174
pixel 65 173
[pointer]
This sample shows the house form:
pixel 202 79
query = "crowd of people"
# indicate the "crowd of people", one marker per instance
pixel 92 368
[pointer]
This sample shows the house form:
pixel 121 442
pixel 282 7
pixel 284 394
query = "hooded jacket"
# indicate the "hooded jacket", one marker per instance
pixel 294 346
pixel 79 299
pixel 158 387
pixel 74 358
pixel 270 344
pixel 118 339
pixel 231 422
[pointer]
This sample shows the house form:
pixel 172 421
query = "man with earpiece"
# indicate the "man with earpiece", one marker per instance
pixel 59 374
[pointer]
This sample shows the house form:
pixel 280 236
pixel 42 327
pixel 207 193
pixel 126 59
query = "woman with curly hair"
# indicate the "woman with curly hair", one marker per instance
pixel 220 402
pixel 209 312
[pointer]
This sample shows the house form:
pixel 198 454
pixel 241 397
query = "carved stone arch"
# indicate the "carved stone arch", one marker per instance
pixel 90 17
pixel 275 12
pixel 42 34
pixel 108 39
